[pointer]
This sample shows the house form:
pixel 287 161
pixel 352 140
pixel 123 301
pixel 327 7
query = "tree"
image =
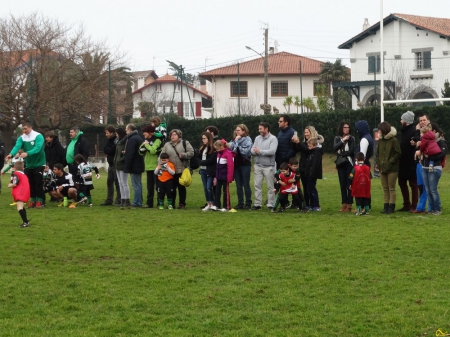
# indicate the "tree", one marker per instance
pixel 176 71
pixel 446 92
pixel 334 72
pixel 288 101
pixel 308 103
pixel 53 75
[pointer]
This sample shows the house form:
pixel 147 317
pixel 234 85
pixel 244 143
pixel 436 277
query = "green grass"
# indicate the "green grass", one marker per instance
pixel 103 271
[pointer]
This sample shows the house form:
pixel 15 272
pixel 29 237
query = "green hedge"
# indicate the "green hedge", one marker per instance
pixel 326 123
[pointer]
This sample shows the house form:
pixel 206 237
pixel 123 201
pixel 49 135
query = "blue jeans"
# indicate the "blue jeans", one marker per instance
pixel 313 193
pixel 422 204
pixel 242 177
pixel 207 185
pixel 431 180
pixel 136 182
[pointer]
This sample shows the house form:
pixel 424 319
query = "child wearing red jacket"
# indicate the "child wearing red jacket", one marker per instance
pixel 360 178
pixel 224 175
pixel 20 191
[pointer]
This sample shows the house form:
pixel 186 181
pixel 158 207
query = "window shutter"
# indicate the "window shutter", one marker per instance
pixel 427 60
pixel 371 64
pixel 378 63
pixel 198 109
pixel 180 109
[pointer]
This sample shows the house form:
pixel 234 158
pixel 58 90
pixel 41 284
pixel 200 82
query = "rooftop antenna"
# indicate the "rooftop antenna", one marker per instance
pixel 276 45
pixel 207 59
pixel 366 24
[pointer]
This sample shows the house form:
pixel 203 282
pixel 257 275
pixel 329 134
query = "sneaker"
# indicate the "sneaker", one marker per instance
pixel 274 210
pixel 270 208
pixel 213 208
pixel 13 204
pixel 73 205
pixel 281 210
pixel 82 200
pixel 288 205
pixel 223 210
pixel 106 203
pixel 308 208
pixel 239 207
pixel 248 206
pixel 316 209
pixel 25 224
pixel 31 204
pixel 181 206
pixel 256 208
pixel 416 211
pixel 90 205
pixel 61 204
pixel 436 213
pixel 170 207
pixel 39 204
pixel 303 210
pixel 162 207
pixel 206 208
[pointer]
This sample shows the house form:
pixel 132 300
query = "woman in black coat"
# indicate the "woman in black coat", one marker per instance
pixel 208 160
pixel 344 146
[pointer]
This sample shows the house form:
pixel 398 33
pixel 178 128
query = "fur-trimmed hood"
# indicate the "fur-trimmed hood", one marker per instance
pixel 391 134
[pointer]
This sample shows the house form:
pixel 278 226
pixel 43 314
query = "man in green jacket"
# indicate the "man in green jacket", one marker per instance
pixel 32 143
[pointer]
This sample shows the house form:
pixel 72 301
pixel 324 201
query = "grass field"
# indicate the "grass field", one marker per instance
pixel 103 271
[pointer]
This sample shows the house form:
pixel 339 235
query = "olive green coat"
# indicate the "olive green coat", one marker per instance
pixel 388 153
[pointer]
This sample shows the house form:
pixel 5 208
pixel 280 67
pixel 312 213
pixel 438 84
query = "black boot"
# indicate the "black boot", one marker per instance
pixel 391 209
pixel 126 203
pixel 385 209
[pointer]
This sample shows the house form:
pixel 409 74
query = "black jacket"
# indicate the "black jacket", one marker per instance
pixel 2 154
pixel 110 150
pixel 210 162
pixel 81 147
pixel 437 158
pixel 407 168
pixel 302 147
pixel 340 145
pixel 55 153
pixel 314 164
pixel 285 150
pixel 134 162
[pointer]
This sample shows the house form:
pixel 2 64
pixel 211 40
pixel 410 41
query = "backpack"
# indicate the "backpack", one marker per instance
pixel 194 162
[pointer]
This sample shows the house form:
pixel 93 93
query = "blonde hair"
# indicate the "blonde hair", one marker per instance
pixel 221 143
pixel 426 128
pixel 244 128
pixel 312 141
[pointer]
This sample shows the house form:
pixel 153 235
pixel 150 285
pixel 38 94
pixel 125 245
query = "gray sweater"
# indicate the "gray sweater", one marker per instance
pixel 267 147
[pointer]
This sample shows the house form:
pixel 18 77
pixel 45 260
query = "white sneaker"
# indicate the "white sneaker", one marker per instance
pixel 223 210
pixel 213 208
pixel 207 208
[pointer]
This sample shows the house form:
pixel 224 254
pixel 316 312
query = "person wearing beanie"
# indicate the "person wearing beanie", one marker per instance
pixel 407 169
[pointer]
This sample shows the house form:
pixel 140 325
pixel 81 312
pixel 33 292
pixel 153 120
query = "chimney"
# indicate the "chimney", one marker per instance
pixel 366 24
pixel 271 50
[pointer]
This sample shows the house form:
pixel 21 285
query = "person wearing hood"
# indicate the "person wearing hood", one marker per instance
pixel 365 140
pixel 134 163
pixel 77 145
pixel 407 168
pixel 302 147
pixel 285 150
pixel 149 150
pixel 387 163
pixel 54 151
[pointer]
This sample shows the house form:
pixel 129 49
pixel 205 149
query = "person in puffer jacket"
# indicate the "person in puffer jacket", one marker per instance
pixel 224 175
pixel 388 162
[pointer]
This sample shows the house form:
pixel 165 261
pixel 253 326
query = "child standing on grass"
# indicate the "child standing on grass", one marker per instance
pixel 10 166
pixel 360 184
pixel 288 185
pixel 224 175
pixel 313 171
pixel 85 184
pixel 20 191
pixel 165 172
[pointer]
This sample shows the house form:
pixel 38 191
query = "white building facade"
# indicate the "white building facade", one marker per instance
pixel 416 61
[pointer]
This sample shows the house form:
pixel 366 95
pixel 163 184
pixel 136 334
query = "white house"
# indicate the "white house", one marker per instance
pixel 168 92
pixel 283 80
pixel 416 59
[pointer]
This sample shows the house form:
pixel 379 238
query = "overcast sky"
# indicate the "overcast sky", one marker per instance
pixel 212 33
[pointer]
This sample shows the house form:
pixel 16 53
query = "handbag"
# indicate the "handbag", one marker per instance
pixel 341 161
pixel 186 177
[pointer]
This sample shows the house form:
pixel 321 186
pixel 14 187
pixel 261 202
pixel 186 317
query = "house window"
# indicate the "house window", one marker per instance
pixel 321 89
pixel 235 86
pixel 279 88
pixel 372 65
pixel 423 60
pixel 187 111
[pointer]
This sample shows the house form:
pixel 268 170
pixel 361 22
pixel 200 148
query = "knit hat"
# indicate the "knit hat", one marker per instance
pixel 408 117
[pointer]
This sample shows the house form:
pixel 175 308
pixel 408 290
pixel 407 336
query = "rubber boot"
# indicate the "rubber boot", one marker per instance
pixel 349 207
pixel 385 209
pixel 343 208
pixel 391 209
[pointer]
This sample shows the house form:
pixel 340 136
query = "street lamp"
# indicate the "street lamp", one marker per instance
pixel 265 70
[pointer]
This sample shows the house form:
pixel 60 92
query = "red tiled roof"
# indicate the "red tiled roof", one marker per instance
pixel 440 26
pixel 282 63
pixel 170 79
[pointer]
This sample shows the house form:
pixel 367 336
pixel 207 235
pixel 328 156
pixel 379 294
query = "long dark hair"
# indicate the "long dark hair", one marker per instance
pixel 208 145
pixel 340 129
pixel 435 127
pixel 121 133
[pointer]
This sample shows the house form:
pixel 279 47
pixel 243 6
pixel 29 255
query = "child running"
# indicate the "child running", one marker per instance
pixel 165 171
pixel 20 191
pixel 360 178
pixel 224 175
pixel 85 184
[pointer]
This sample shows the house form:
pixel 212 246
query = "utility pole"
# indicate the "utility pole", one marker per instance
pixel 31 91
pixel 266 63
pixel 239 90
